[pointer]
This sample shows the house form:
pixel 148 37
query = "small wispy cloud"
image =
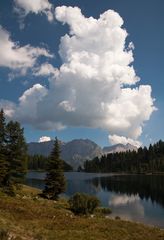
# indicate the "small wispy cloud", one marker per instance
pixel 44 139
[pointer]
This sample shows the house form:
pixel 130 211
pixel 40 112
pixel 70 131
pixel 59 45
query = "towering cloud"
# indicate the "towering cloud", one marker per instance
pixel 95 85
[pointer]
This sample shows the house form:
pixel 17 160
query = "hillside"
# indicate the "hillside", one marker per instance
pixel 77 151
pixel 28 217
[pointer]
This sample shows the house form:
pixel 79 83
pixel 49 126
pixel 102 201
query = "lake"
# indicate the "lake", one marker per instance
pixel 133 197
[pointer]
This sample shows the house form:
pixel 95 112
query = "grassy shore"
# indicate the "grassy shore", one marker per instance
pixel 27 216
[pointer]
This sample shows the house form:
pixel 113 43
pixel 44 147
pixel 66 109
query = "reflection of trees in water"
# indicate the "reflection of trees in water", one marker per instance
pixel 147 187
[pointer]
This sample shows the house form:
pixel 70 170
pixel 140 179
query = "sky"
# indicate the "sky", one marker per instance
pixel 84 69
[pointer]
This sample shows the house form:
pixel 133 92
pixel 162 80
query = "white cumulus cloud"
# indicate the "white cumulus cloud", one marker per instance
pixel 115 139
pixel 96 84
pixel 44 139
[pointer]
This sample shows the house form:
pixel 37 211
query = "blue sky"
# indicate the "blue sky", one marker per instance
pixel 143 20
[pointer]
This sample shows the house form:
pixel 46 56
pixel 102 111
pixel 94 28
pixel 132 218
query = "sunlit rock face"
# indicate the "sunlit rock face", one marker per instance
pixel 119 148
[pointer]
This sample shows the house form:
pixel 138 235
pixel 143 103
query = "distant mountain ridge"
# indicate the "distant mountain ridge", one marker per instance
pixel 77 151
pixel 119 148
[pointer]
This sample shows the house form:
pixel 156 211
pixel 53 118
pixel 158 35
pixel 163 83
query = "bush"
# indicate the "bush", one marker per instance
pixel 82 203
pixel 103 210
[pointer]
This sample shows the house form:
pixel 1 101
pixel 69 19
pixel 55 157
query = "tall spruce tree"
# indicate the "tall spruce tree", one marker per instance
pixel 16 153
pixel 55 181
pixel 3 160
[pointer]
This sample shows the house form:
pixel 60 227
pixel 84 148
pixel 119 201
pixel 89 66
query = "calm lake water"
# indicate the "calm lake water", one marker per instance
pixel 133 197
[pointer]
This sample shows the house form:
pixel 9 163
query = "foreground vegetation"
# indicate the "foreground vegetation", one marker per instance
pixel 13 164
pixel 13 154
pixel 28 216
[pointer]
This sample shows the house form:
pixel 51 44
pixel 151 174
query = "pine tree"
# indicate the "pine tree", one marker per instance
pixel 16 153
pixel 3 161
pixel 55 181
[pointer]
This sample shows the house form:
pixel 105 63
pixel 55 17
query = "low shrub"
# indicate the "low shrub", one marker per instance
pixel 81 203
pixel 103 210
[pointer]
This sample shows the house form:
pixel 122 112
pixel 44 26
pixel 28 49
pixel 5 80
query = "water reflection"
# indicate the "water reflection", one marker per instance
pixel 123 200
pixel 144 186
pixel 132 197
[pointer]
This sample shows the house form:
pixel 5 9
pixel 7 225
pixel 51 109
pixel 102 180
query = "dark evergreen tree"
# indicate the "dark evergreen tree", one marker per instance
pixel 39 162
pixel 55 181
pixel 3 160
pixel 16 152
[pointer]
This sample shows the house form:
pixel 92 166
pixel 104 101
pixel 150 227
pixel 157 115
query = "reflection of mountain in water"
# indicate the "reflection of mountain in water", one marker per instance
pixel 147 187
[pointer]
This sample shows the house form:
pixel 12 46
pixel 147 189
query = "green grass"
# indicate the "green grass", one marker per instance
pixel 27 216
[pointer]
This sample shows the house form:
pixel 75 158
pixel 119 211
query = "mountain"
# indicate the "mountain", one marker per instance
pixel 119 148
pixel 42 148
pixel 77 151
pixel 74 152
